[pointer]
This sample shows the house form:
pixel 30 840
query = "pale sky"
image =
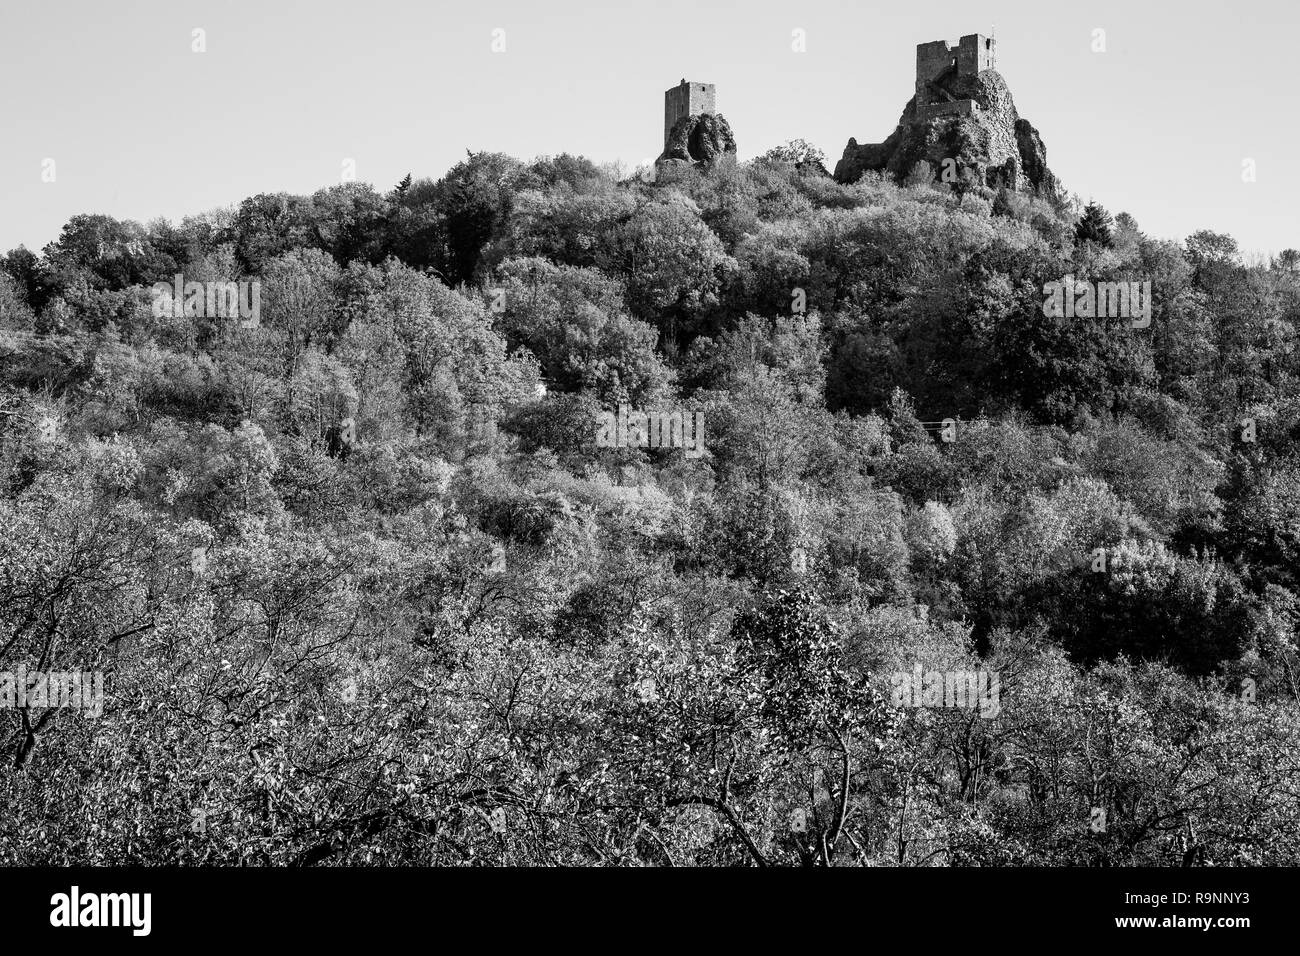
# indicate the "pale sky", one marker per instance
pixel 140 126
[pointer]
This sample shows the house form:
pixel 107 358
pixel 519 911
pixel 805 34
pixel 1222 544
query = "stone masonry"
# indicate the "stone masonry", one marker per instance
pixel 687 99
pixel 937 60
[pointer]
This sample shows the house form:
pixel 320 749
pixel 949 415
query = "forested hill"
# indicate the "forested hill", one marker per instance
pixel 365 585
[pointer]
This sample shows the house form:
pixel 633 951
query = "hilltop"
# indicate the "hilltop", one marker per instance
pixel 962 124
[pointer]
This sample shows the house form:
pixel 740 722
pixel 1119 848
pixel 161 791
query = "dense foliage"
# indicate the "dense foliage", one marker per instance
pixel 365 589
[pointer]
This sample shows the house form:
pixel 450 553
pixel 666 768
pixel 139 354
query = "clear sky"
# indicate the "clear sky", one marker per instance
pixel 140 126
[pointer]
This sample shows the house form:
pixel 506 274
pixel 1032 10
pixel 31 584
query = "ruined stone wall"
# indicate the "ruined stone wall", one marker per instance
pixel 974 54
pixel 958 108
pixel 932 60
pixel 687 99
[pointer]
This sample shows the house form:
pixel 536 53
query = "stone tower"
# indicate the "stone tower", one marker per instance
pixel 932 61
pixel 972 55
pixel 687 99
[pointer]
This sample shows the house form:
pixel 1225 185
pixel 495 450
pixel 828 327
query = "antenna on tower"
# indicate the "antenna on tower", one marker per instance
pixel 993 35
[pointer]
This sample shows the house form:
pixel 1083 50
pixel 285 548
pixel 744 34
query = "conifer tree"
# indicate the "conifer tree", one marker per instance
pixel 1095 226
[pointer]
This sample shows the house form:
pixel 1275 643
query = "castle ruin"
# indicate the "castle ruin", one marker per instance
pixel 695 133
pixel 687 99
pixel 962 119
pixel 972 55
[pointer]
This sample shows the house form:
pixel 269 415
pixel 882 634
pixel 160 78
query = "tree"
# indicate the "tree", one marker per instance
pixel 350 221
pixel 1214 256
pixel 106 254
pixel 268 225
pixel 775 738
pixel 473 202
pixel 28 272
pixel 795 152
pixel 1095 226
pixel 672 262
pixel 575 322
pixel 921 174
pixel 14 311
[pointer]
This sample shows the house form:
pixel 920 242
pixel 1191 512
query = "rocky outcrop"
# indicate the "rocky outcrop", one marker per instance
pixel 700 140
pixel 1033 157
pixel 971 122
